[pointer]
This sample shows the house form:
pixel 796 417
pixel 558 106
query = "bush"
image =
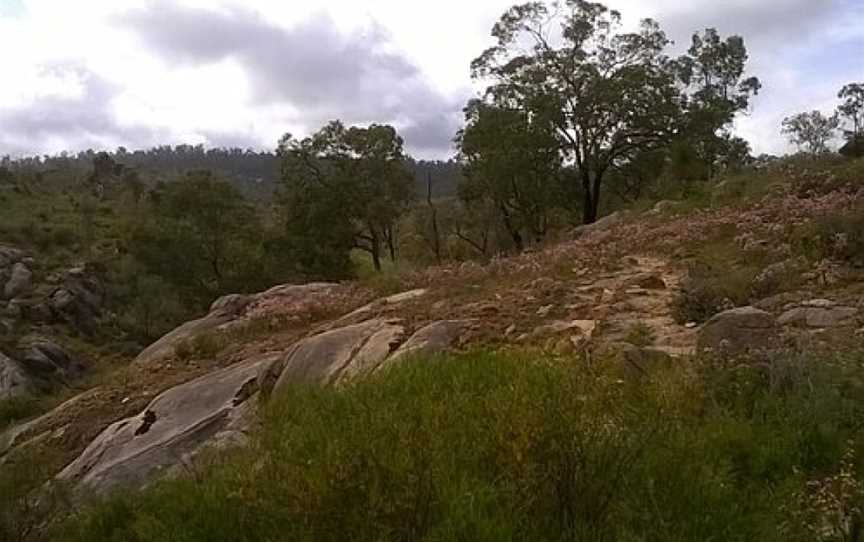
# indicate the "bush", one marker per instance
pixel 485 447
pixel 841 237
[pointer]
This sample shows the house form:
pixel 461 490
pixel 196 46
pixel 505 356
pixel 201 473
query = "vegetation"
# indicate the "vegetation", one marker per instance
pixel 811 130
pixel 498 447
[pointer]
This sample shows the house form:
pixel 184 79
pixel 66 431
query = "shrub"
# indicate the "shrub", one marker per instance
pixel 841 237
pixel 486 447
pixel 640 334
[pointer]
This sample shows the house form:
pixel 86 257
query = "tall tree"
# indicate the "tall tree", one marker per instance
pixel 811 130
pixel 852 110
pixel 514 162
pixel 607 93
pixel 712 73
pixel 349 181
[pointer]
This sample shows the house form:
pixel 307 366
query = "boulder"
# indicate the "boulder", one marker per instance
pixel 213 410
pixel 284 300
pixel 435 337
pixel 338 354
pixel 819 313
pixel 14 380
pixel 43 357
pixel 738 331
pixel 582 327
pixel 635 360
pixel 600 224
pixel 10 256
pixel 78 302
pixel 20 281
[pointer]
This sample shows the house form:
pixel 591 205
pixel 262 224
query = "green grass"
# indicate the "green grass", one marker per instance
pixel 490 447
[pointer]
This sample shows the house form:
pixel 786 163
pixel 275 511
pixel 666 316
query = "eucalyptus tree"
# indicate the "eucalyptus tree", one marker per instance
pixel 811 130
pixel 608 94
pixel 345 188
pixel 712 73
pixel 514 163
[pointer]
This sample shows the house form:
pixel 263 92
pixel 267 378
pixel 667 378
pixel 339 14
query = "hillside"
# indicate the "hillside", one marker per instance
pixel 537 396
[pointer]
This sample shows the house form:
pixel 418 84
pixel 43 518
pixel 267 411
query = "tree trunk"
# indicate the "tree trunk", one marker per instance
pixel 589 210
pixel 376 256
pixel 436 236
pixel 518 242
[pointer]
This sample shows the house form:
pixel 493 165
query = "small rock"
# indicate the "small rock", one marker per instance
pixel 739 330
pixel 545 310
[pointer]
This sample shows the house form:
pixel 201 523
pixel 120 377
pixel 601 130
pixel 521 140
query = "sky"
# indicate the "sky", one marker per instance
pixel 139 73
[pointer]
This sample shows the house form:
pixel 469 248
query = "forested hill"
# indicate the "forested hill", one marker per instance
pixel 254 172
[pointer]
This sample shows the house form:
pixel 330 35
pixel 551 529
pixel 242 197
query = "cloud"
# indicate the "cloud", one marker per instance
pixel 76 120
pixel 320 71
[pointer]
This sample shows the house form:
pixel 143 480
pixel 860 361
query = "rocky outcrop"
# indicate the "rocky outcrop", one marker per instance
pixel 739 330
pixel 338 354
pixel 216 409
pixel 285 300
pixel 47 361
pixel 433 338
pixel 20 281
pixel 819 314
pixel 79 301
pixel 213 410
pixel 14 380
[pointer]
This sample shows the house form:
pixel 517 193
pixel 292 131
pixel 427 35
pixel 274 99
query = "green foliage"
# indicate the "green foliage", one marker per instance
pixel 713 73
pixel 513 163
pixel 27 504
pixel 344 188
pixel 852 109
pixel 811 130
pixel 202 237
pixel 841 237
pixel 640 334
pixel 720 277
pixel 607 94
pixel 490 447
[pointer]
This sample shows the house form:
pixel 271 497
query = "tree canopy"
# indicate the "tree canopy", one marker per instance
pixel 346 187
pixel 611 95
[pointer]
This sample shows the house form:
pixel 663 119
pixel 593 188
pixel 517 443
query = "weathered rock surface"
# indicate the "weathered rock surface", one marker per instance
pixel 79 301
pixel 337 354
pixel 20 281
pixel 46 359
pixel 600 224
pixel 819 313
pixel 739 330
pixel 230 308
pixel 172 429
pixel 433 338
pixel 14 380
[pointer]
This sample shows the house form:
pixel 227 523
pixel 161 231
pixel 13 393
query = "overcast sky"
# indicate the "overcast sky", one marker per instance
pixel 138 73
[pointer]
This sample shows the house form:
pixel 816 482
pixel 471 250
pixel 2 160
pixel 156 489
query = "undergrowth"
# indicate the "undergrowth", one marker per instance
pixel 491 447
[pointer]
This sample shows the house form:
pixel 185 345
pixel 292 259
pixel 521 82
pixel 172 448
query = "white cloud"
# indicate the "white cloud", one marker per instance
pixel 138 72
